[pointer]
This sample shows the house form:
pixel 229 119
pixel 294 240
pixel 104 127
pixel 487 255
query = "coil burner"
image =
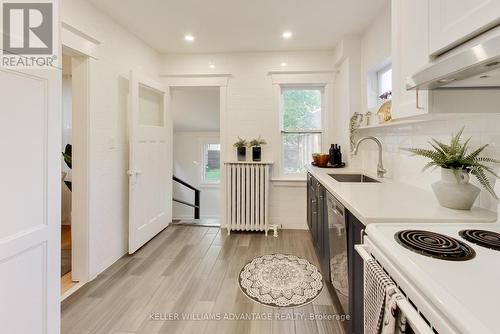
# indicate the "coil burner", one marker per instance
pixel 435 245
pixel 488 239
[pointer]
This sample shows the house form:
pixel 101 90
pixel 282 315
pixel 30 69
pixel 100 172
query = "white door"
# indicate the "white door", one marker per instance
pixel 30 193
pixel 454 21
pixel 150 166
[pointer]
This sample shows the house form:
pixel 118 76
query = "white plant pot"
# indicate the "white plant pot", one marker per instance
pixel 454 190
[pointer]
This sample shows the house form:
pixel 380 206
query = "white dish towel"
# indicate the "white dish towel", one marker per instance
pixel 381 313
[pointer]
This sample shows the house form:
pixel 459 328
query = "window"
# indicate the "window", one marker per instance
pixel 301 127
pixel 211 163
pixel 384 80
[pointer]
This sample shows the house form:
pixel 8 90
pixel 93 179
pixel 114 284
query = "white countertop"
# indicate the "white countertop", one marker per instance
pixel 391 201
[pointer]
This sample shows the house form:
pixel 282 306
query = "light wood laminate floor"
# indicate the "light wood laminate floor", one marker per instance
pixel 192 270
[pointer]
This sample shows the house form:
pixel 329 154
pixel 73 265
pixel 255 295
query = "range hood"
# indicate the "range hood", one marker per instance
pixel 474 67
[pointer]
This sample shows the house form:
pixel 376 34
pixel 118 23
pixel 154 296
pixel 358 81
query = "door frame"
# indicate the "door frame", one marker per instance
pixel 212 80
pixel 81 48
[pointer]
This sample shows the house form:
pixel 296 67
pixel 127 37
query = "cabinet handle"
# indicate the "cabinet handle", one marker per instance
pixel 417 101
pixel 362 236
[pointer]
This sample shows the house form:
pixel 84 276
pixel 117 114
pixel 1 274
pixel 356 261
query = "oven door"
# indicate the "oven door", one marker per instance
pixel 415 323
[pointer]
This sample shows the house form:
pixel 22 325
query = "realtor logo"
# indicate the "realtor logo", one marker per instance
pixel 27 34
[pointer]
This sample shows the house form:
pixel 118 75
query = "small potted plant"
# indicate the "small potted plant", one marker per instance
pixel 457 163
pixel 256 145
pixel 241 147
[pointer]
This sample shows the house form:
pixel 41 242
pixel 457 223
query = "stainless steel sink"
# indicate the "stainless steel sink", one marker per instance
pixel 356 178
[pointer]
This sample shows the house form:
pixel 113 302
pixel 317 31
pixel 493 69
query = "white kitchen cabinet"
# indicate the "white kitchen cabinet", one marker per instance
pixel 451 22
pixel 410 52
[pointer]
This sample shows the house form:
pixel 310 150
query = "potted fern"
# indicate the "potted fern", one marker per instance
pixel 457 164
pixel 241 148
pixel 256 145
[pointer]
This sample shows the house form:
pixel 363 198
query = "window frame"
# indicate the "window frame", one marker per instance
pixel 320 131
pixel 203 182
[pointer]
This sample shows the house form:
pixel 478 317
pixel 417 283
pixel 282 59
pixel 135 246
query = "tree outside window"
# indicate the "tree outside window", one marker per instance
pixel 301 127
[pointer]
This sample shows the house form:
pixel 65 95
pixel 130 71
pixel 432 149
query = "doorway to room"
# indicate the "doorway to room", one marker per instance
pixel 74 172
pixel 196 155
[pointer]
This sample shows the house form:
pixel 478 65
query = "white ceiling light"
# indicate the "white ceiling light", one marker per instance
pixel 283 64
pixel 212 66
pixel 189 38
pixel 287 35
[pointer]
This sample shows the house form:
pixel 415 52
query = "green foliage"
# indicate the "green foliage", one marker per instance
pixel 456 156
pixel 257 142
pixel 240 143
pixel 68 159
pixel 67 155
pixel 302 109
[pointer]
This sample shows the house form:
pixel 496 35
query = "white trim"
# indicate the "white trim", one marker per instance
pixel 326 109
pixel 78 42
pixel 82 181
pixel 82 47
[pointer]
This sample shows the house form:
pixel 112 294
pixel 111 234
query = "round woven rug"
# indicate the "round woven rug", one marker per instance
pixel 280 280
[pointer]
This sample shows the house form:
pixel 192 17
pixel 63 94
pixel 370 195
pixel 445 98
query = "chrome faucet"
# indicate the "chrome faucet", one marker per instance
pixel 380 166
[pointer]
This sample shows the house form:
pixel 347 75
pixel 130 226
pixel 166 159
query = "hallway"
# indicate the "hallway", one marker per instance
pixel 190 269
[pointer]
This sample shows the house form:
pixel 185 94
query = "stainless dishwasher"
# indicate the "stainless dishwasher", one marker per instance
pixel 337 240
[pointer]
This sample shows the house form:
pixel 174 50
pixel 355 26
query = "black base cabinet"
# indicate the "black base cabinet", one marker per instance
pixel 317 220
pixel 315 213
pixel 356 275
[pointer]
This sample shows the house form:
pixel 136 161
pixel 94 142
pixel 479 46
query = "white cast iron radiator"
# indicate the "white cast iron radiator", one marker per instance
pixel 247 196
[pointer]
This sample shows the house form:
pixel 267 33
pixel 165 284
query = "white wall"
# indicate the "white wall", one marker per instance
pixel 188 166
pixel 346 93
pixel 252 111
pixel 195 108
pixel 118 52
pixel 400 165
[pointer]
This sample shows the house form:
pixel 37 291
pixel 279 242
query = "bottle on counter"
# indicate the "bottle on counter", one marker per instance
pixel 332 154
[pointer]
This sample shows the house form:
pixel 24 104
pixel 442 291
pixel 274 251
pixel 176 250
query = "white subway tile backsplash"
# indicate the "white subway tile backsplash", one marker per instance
pixel 403 167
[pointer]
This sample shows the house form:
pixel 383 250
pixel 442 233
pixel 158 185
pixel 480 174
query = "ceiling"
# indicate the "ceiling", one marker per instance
pixel 196 108
pixel 239 25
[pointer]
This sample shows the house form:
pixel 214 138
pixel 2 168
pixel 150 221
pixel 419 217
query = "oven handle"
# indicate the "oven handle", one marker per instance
pixel 412 316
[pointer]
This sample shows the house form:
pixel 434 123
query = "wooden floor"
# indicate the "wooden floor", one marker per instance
pixel 66 283
pixel 65 250
pixel 192 270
